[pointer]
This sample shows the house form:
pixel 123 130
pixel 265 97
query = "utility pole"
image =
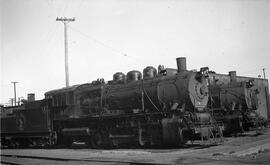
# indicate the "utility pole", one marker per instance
pixel 65 21
pixel 14 84
pixel 11 100
pixel 264 73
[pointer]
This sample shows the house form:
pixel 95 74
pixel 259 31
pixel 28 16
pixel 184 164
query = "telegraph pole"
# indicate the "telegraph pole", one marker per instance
pixel 264 73
pixel 14 84
pixel 11 100
pixel 65 21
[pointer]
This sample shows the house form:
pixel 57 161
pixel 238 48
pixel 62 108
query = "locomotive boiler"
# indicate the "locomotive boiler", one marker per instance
pixel 235 104
pixel 155 93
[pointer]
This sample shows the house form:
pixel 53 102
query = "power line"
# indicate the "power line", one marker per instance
pixel 99 42
pixel 106 45
pixel 63 12
pixel 78 8
pixel 250 71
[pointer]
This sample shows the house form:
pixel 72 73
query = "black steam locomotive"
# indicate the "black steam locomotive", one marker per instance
pixel 235 104
pixel 164 107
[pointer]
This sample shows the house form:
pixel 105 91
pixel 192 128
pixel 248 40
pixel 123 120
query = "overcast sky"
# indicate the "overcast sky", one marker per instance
pixel 122 35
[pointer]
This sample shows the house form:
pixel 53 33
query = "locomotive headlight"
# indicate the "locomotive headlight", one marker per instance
pixel 250 83
pixel 204 71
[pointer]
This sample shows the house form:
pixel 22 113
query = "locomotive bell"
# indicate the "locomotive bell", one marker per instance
pixel 181 64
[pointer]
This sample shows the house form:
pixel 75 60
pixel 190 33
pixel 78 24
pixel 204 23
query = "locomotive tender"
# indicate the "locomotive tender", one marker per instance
pixel 164 107
pixel 25 124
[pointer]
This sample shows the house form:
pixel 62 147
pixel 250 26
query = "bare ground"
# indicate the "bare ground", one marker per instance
pixel 249 148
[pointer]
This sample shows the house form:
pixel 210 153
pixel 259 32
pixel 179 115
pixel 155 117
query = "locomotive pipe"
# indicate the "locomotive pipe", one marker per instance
pixel 30 97
pixel 84 131
pixel 232 75
pixel 181 64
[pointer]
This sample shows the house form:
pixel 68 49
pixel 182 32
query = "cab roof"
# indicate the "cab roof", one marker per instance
pixel 62 90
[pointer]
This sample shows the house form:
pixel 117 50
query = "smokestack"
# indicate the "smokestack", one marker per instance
pixel 30 97
pixel 232 75
pixel 181 64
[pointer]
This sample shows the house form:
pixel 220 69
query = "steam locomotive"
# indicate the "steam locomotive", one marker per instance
pixel 235 104
pixel 164 107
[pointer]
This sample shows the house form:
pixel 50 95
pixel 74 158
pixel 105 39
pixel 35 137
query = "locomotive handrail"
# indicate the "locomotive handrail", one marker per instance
pixel 149 98
pixel 212 101
pixel 194 99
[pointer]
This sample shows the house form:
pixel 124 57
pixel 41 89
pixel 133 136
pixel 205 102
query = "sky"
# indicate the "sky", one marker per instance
pixel 111 36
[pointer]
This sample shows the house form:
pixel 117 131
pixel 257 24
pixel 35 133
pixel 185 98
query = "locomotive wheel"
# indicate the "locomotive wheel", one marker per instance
pixel 67 141
pixel 182 137
pixel 142 142
pixel 99 140
pixel 183 133
pixel 52 140
pixel 23 143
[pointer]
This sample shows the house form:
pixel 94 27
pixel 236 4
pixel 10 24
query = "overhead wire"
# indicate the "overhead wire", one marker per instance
pixel 117 51
pixel 65 7
pixel 50 36
pixel 78 8
pixel 250 71
pixel 97 41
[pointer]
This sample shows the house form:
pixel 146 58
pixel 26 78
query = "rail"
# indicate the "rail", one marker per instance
pixel 69 159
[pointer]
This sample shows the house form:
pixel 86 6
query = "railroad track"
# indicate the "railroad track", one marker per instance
pixel 65 160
